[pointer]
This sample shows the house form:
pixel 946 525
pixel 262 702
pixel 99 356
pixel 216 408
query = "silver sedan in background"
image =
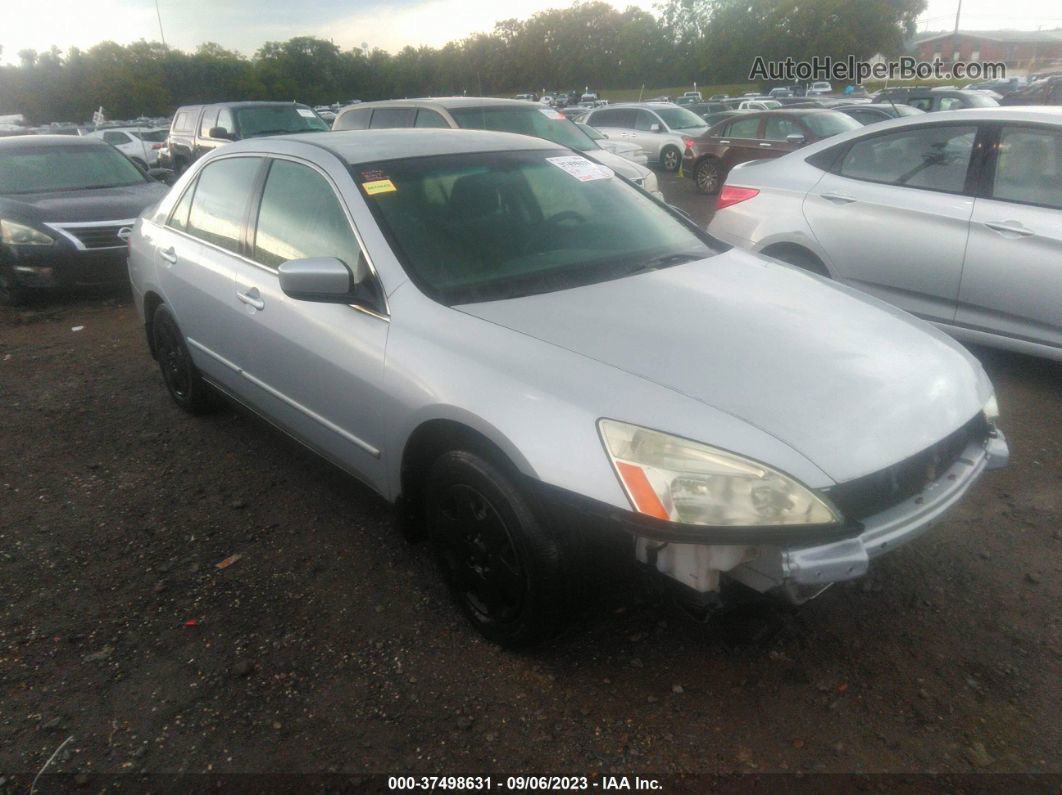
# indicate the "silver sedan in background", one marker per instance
pixel 525 353
pixel 955 217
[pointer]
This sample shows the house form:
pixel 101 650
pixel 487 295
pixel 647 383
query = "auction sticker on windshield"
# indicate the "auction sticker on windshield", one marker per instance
pixel 379 186
pixel 581 168
pixel 549 113
pixel 309 114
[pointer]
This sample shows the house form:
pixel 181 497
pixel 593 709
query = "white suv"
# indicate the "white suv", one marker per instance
pixel 659 128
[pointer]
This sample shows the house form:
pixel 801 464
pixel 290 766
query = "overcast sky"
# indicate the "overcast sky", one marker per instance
pixel 389 24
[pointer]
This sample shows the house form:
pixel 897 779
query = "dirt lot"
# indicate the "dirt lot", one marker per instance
pixel 330 645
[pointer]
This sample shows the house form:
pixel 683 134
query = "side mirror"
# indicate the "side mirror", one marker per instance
pixel 654 127
pixel 795 138
pixel 322 279
pixel 164 175
pixel 221 132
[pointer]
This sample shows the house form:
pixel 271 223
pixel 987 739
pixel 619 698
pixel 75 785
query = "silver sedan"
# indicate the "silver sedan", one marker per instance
pixel 524 352
pixel 955 217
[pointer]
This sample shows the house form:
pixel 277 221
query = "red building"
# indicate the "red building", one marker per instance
pixel 1018 49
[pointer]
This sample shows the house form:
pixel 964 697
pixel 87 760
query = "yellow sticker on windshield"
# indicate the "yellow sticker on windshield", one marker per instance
pixel 379 186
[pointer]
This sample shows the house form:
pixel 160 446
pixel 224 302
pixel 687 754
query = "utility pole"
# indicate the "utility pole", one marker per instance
pixel 159 15
pixel 955 43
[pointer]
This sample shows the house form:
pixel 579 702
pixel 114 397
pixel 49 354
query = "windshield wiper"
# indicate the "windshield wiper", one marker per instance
pixel 665 261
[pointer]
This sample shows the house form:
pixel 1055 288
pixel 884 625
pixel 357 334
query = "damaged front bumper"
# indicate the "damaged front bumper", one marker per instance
pixel 792 562
pixel 801 571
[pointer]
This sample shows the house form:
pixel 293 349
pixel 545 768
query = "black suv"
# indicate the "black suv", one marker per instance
pixel 198 129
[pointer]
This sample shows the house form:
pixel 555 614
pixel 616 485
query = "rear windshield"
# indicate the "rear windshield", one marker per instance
pixel 42 169
pixel 830 123
pixel 488 226
pixel 539 122
pixel 257 120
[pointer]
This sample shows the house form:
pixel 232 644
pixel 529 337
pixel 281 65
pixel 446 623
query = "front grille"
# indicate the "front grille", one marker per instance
pixel 878 491
pixel 97 236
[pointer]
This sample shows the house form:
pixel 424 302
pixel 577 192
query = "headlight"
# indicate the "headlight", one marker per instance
pixel 21 235
pixel 650 183
pixel 682 481
pixel 991 411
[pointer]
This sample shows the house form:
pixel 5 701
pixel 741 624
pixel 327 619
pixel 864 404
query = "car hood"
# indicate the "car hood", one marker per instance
pixel 622 166
pixel 102 204
pixel 851 383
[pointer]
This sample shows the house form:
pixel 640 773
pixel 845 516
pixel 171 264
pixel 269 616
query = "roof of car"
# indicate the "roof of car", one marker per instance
pixel 650 105
pixel 446 103
pixel 367 146
pixel 241 104
pixel 29 141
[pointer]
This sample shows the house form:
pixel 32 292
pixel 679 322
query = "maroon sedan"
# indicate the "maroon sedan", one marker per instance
pixel 756 136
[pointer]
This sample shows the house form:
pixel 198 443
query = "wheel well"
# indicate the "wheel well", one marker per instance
pixel 151 303
pixel 797 255
pixel 429 441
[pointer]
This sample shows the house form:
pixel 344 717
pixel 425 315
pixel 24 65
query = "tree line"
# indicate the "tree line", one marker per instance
pixel 590 43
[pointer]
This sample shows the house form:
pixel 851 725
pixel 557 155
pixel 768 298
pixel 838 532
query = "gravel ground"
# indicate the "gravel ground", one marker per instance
pixel 329 645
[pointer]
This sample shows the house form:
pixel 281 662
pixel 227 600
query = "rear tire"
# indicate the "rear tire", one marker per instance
pixel 708 176
pixel 182 378
pixel 670 158
pixel 503 567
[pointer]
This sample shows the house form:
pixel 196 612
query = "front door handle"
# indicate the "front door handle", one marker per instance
pixel 1009 228
pixel 765 145
pixel 840 198
pixel 169 255
pixel 252 298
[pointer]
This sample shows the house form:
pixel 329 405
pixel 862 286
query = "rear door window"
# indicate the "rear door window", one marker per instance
pixel 220 201
pixel 619 118
pixel 744 128
pixel 429 118
pixel 1029 167
pixel 386 118
pixel 354 120
pixel 936 157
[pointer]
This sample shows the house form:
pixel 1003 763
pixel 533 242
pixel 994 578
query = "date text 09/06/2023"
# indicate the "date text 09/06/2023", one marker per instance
pixel 488 783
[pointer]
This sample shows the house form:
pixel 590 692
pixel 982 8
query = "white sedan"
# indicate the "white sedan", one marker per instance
pixel 955 217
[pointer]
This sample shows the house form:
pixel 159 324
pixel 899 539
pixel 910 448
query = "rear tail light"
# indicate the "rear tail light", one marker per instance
pixel 732 194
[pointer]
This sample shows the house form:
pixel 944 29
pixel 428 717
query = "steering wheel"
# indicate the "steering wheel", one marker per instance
pixel 541 242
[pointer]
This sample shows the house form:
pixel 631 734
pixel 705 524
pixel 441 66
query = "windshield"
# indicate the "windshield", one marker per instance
pixel 256 120
pixel 830 123
pixel 494 225
pixel 680 118
pixel 43 169
pixel 539 122
pixel 151 136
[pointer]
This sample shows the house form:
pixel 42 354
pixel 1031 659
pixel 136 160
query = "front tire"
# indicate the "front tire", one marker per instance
pixel 182 378
pixel 11 294
pixel 503 567
pixel 708 176
pixel 670 158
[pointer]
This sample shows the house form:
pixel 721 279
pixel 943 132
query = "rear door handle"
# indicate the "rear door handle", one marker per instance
pixel 767 145
pixel 169 255
pixel 840 198
pixel 251 298
pixel 1009 228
